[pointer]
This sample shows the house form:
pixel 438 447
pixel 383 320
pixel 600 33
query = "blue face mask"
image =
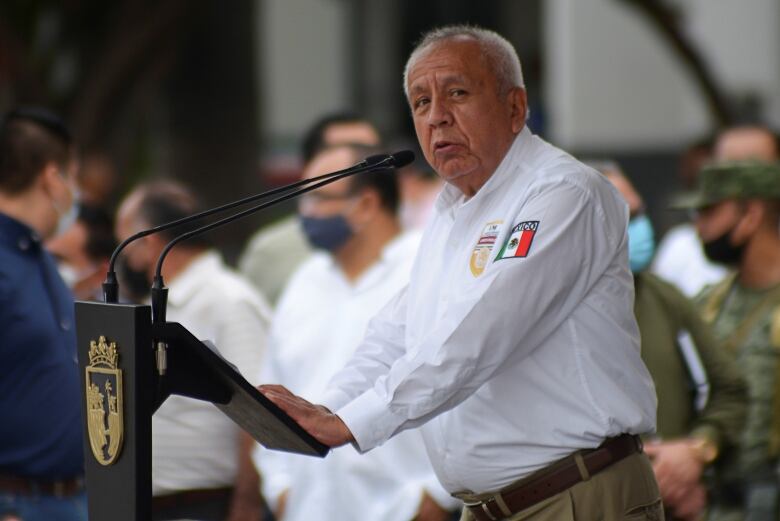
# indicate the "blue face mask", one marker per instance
pixel 326 233
pixel 641 243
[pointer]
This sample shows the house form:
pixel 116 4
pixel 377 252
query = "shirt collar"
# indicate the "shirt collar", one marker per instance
pixel 18 235
pixel 451 197
pixel 182 287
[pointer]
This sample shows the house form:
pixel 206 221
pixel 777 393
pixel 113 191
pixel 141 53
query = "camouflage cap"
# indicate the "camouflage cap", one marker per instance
pixel 732 180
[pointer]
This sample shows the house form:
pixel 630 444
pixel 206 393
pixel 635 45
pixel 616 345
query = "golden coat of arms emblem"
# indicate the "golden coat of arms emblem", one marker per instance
pixel 104 401
pixel 481 254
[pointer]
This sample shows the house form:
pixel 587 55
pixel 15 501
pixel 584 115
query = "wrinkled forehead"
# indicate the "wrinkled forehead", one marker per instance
pixel 457 57
pixel 746 144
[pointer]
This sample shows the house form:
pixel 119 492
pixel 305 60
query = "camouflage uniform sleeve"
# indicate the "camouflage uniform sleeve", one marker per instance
pixel 723 417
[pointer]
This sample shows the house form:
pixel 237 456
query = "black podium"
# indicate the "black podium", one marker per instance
pixel 129 367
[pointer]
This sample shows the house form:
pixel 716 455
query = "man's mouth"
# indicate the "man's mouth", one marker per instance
pixel 444 147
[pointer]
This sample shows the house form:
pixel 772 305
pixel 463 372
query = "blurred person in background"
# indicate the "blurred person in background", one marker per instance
pixel 98 180
pixel 738 211
pixel 364 258
pixel 41 459
pixel 419 186
pixel 201 465
pixel 275 251
pixel 701 393
pixel 680 258
pixel 83 250
pixel 749 142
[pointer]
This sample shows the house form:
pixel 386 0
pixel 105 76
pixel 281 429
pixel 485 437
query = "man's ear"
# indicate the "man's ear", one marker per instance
pixel 51 180
pixel 518 102
pixel 367 206
pixel 753 215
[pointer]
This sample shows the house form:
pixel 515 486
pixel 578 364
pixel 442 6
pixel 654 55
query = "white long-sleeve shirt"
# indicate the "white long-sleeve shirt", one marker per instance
pixel 194 445
pixel 320 319
pixel 512 358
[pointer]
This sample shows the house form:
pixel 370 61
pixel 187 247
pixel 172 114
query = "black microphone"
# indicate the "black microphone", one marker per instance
pixel 111 286
pixel 159 293
pixel 401 159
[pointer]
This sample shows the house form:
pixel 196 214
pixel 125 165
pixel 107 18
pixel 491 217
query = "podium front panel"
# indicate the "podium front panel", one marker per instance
pixel 116 364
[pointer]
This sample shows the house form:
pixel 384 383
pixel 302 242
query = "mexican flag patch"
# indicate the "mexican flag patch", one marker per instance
pixel 519 242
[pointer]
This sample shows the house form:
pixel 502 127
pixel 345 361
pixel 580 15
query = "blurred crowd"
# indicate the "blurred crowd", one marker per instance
pixel 707 301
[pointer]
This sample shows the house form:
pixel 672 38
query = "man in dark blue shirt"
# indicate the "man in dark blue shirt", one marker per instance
pixel 41 463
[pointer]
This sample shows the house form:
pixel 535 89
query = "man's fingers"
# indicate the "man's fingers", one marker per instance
pixel 282 401
pixel 651 449
pixel 290 400
pixel 315 419
pixel 278 389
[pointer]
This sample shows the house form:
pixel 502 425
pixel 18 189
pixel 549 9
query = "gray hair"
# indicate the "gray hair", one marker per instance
pixel 500 54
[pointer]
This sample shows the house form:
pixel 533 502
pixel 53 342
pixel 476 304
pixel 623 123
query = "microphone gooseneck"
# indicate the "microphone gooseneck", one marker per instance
pixel 372 163
pixel 111 286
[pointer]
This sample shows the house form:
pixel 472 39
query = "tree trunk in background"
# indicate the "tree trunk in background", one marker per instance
pixel 211 102
pixel 666 21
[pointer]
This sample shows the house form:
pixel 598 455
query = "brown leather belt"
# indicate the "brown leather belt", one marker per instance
pixel 30 486
pixel 560 477
pixel 190 497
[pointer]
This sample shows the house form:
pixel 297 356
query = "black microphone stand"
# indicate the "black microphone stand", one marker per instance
pixel 159 293
pixel 110 285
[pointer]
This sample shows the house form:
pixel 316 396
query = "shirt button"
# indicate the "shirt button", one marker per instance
pixel 65 324
pixel 24 243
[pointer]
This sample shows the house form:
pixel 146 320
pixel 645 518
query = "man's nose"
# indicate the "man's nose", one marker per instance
pixel 439 114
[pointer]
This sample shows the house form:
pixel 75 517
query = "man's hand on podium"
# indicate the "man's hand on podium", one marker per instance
pixel 317 420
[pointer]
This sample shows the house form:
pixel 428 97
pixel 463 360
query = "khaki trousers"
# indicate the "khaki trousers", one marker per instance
pixel 624 491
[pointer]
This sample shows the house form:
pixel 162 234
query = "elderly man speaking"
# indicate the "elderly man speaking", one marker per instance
pixel 514 347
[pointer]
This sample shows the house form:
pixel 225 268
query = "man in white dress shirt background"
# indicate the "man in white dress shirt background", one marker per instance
pixel 201 461
pixel 514 348
pixel 363 258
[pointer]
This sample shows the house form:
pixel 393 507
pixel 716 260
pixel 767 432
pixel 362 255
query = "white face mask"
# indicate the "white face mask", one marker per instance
pixel 69 216
pixel 67 219
pixel 72 276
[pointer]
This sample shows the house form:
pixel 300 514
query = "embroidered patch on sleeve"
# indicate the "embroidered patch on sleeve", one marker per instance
pixel 519 242
pixel 480 256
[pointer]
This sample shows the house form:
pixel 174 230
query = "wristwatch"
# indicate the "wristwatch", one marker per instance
pixel 706 451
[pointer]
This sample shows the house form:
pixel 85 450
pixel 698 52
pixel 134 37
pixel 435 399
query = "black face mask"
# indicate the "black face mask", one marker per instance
pixel 133 284
pixel 721 251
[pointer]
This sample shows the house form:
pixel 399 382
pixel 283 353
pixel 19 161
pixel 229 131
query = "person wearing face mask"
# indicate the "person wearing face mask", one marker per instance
pixel 737 208
pixel 364 258
pixel 701 392
pixel 275 251
pixel 201 464
pixel 41 462
pixel 83 250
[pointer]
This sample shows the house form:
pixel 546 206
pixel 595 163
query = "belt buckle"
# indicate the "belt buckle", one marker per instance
pixel 640 445
pixel 483 505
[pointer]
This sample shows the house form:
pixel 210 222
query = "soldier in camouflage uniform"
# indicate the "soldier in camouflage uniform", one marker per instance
pixel 738 216
pixel 702 396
